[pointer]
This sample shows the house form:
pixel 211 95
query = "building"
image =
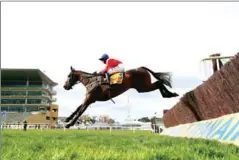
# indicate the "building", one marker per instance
pixel 27 94
pixel 208 66
pixel 136 125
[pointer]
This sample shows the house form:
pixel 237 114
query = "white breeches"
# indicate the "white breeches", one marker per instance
pixel 119 68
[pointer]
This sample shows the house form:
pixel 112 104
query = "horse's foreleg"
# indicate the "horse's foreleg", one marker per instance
pixel 80 111
pixel 72 114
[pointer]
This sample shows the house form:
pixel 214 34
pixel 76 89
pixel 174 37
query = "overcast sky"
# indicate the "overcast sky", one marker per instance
pixel 162 36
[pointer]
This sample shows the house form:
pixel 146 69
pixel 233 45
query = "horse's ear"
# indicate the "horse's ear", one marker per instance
pixel 72 69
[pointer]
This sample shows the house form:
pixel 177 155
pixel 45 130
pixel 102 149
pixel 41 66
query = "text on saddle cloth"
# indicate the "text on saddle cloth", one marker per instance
pixel 116 78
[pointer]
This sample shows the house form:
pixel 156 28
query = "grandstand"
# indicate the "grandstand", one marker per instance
pixel 27 95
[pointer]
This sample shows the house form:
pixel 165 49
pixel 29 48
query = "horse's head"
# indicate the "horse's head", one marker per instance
pixel 72 79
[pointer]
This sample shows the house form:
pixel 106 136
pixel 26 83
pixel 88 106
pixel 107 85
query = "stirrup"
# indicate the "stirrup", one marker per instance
pixel 107 76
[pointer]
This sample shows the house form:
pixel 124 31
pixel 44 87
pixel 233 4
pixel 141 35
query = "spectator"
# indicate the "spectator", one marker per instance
pixel 25 125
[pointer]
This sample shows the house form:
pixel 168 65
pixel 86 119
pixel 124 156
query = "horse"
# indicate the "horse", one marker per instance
pixel 99 90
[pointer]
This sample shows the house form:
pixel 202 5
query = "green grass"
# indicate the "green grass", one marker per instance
pixel 103 145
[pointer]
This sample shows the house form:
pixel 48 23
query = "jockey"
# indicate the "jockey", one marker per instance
pixel 112 66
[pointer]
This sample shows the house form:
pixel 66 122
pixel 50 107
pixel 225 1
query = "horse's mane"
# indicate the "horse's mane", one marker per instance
pixel 84 72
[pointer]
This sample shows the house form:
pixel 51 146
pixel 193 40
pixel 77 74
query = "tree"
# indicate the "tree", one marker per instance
pixel 86 118
pixel 110 121
pixel 144 119
pixel 104 118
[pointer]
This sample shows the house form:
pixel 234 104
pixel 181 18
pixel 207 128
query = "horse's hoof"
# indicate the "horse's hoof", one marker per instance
pixel 68 125
pixel 67 120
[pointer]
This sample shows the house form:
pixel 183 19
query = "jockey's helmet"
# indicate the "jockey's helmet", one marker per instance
pixel 104 57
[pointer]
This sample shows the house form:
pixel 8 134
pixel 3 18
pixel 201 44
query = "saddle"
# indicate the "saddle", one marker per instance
pixel 98 80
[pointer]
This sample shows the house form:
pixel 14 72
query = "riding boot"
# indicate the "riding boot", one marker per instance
pixel 107 79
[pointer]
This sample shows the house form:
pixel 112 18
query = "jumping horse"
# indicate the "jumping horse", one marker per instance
pixel 98 90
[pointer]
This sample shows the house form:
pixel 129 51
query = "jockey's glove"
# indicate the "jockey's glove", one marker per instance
pixel 98 73
pixel 95 73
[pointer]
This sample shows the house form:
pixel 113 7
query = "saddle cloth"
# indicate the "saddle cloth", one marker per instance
pixel 117 78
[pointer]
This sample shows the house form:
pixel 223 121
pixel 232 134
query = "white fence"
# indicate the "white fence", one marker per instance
pixel 29 126
pixel 80 127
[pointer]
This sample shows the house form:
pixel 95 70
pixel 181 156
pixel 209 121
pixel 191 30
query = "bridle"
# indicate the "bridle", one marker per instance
pixel 71 78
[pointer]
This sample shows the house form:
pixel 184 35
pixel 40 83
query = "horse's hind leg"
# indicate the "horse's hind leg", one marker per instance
pixel 164 91
pixel 157 85
pixel 148 88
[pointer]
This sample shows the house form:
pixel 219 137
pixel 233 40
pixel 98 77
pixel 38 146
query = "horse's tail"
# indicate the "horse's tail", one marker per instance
pixel 166 77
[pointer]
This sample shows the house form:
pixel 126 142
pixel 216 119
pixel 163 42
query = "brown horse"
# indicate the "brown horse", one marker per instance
pixel 97 90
